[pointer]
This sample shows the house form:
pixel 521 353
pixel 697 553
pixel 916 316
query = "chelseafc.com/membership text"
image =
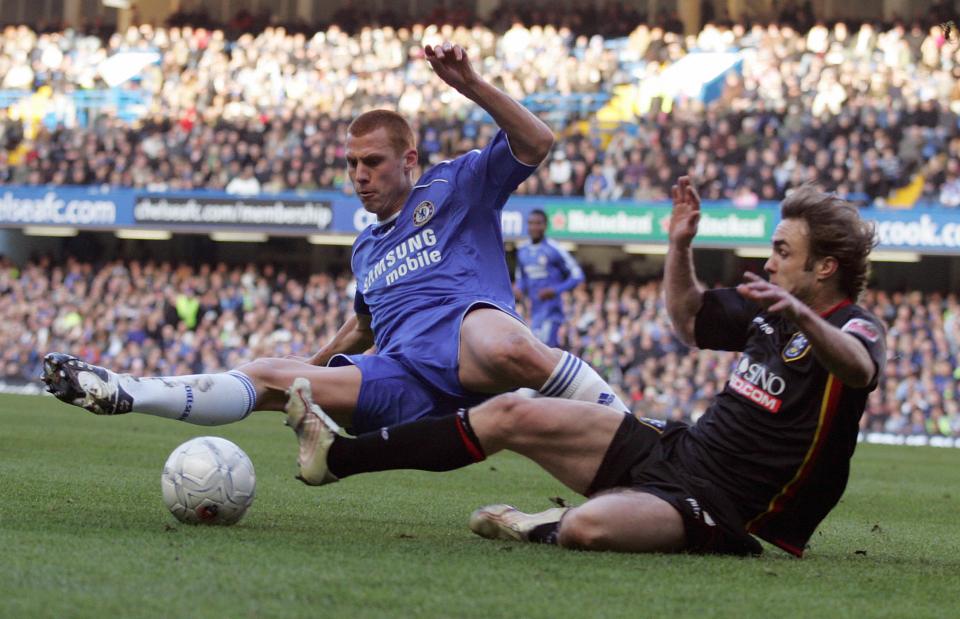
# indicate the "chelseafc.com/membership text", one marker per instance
pixel 53 209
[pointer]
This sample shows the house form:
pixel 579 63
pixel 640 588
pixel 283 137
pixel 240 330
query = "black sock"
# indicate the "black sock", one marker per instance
pixel 546 533
pixel 432 444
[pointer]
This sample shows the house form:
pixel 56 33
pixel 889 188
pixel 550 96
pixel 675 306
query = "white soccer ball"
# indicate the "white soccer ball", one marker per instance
pixel 208 480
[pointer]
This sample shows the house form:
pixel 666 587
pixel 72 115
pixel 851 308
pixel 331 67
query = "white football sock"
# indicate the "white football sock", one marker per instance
pixel 203 399
pixel 573 379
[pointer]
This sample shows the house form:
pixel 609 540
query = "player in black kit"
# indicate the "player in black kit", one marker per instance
pixel 769 458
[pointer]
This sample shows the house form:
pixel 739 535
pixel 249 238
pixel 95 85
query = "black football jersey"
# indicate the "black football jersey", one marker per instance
pixel 778 439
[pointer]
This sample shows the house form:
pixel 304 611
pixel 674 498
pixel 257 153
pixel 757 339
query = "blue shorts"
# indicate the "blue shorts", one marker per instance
pixel 418 376
pixel 391 392
pixel 547 331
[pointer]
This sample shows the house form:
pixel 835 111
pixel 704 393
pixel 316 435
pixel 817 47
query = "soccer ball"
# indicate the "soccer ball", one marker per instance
pixel 208 480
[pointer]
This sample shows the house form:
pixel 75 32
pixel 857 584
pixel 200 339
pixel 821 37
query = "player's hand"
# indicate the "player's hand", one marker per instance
pixel 770 297
pixel 545 294
pixel 319 359
pixel 313 360
pixel 685 217
pixel 450 63
pixel 316 359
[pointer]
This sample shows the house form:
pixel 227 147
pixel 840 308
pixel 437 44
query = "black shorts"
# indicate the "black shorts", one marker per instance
pixel 640 458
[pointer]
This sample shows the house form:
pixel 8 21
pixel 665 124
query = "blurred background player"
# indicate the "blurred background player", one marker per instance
pixel 544 272
pixel 439 309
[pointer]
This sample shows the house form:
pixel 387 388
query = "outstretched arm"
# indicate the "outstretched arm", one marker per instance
pixel 530 138
pixel 842 354
pixel 684 295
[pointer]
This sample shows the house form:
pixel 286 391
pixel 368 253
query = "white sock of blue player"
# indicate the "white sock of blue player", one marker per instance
pixel 203 399
pixel 574 379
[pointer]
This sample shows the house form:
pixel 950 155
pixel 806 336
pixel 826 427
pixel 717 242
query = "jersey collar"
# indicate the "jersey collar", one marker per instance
pixel 390 219
pixel 381 228
pixel 836 307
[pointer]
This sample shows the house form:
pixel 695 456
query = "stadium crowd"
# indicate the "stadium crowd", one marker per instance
pixel 861 111
pixel 174 319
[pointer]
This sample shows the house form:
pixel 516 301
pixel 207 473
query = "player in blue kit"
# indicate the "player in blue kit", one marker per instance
pixel 545 271
pixel 433 293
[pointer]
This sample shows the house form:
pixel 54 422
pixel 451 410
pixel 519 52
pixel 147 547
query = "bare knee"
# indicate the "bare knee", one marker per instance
pixel 582 529
pixel 519 354
pixel 266 373
pixel 624 521
pixel 506 420
pixel 256 370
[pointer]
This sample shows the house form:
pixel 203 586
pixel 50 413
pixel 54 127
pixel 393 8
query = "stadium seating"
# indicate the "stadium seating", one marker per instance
pixel 862 112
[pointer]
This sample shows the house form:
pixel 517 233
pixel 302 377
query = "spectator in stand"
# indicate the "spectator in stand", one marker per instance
pixel 595 186
pixel 278 100
pixel 247 184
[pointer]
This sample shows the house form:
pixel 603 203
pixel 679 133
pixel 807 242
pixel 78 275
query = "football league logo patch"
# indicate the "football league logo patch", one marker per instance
pixel 423 213
pixel 863 328
pixel 796 348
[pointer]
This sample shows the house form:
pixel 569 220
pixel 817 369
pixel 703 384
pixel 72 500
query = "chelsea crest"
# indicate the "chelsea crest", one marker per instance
pixel 423 213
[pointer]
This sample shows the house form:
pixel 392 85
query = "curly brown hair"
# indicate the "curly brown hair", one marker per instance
pixel 836 230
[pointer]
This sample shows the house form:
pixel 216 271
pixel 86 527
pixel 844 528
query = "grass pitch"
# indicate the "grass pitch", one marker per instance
pixel 84 533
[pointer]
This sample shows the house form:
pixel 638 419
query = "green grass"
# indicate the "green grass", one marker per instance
pixel 83 533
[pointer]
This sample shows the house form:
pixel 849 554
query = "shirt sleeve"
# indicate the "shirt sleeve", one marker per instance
pixel 868 329
pixel 492 173
pixel 723 321
pixel 360 305
pixel 572 272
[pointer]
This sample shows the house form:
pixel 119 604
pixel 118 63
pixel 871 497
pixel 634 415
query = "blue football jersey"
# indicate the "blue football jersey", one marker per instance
pixel 546 265
pixel 418 273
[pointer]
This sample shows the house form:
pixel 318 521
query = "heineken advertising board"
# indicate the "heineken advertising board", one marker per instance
pixel 651 224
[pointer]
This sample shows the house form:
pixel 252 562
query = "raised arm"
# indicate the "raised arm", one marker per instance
pixel 354 336
pixel 530 138
pixel 684 295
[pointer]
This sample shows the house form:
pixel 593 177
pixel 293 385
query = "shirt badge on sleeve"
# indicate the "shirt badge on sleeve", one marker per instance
pixel 423 213
pixel 796 348
pixel 864 328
